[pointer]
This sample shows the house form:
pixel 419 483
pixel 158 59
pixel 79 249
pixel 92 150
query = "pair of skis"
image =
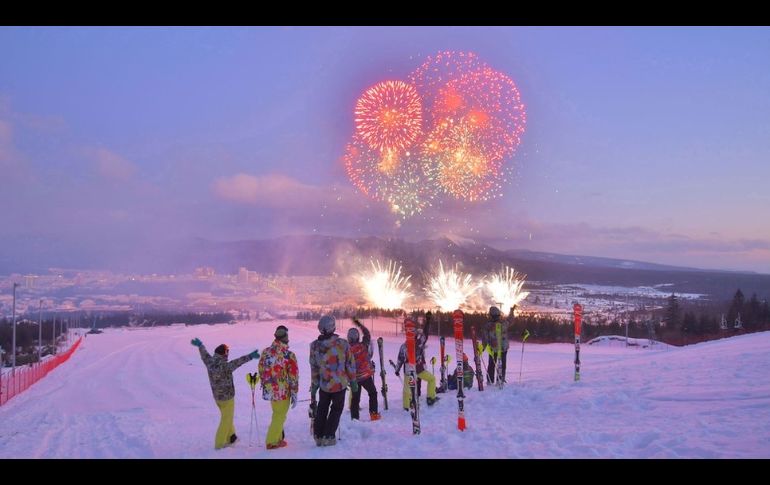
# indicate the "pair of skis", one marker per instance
pixel 477 359
pixel 457 317
pixel 577 309
pixel 384 388
pixel 410 373
pixel 443 385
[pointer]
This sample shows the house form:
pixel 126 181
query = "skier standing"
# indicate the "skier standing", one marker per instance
pixel 280 383
pixel 332 369
pixel 489 342
pixel 221 380
pixel 362 353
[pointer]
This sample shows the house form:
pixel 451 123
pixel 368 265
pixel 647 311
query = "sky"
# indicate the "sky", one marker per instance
pixel 644 143
pixel 144 393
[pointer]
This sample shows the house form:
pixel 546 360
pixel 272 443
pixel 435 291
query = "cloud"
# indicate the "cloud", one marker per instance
pixel 110 165
pixel 275 190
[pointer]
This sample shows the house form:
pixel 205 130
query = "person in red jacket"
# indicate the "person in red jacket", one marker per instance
pixel 362 353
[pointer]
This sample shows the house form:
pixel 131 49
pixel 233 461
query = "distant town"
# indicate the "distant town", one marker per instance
pixel 64 291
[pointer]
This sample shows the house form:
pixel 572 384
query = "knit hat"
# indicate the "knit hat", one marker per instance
pixel 222 349
pixel 282 334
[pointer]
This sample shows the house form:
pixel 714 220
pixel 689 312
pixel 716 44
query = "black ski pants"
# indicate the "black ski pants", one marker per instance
pixel 326 422
pixel 355 401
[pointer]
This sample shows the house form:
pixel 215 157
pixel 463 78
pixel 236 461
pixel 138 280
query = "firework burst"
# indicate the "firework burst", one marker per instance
pixel 388 118
pixel 407 191
pixel 384 287
pixel 455 157
pixel 475 121
pixel 446 134
pixel 449 289
pixel 505 287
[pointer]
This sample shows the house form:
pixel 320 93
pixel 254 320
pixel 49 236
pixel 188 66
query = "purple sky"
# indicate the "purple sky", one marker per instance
pixel 646 143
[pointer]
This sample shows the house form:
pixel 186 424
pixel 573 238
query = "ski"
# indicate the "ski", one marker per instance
pixel 311 411
pixel 499 360
pixel 384 389
pixel 457 316
pixel 443 385
pixel 578 314
pixel 414 403
pixel 477 359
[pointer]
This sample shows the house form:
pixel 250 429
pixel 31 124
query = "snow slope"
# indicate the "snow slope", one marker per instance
pixel 144 393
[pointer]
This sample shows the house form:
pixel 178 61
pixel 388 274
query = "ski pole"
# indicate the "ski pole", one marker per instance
pixel 252 380
pixel 526 335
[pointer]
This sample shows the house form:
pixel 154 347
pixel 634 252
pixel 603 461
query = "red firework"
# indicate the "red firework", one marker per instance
pixel 389 116
pixel 475 121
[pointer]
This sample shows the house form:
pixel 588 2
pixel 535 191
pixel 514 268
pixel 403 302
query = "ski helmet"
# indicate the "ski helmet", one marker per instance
pixel 327 324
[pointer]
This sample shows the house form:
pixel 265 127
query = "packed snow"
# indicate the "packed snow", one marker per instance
pixel 144 393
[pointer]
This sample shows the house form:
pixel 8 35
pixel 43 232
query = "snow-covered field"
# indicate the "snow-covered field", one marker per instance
pixel 144 393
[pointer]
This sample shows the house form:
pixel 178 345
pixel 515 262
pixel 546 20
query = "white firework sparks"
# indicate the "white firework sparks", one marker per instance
pixel 449 289
pixel 384 287
pixel 505 288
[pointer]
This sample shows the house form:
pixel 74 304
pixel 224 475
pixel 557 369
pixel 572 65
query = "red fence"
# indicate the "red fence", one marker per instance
pixel 15 383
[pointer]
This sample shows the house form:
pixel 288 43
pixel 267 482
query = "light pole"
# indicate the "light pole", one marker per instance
pixel 13 342
pixel 53 335
pixel 40 331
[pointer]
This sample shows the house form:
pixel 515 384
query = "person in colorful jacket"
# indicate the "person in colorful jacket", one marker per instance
pixel 421 341
pixel 280 382
pixel 332 369
pixel 221 379
pixel 362 353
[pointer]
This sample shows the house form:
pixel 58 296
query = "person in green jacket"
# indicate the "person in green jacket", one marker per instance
pixel 221 380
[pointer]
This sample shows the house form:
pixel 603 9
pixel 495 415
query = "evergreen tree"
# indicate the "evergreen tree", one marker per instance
pixel 671 317
pixel 708 325
pixel 753 310
pixel 689 323
pixel 736 307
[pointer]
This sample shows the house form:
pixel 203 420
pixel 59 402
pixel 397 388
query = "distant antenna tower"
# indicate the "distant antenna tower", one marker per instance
pixel 723 323
pixel 738 323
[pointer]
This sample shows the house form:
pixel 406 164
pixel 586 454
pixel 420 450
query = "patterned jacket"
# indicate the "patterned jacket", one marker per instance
pixel 362 353
pixel 278 372
pixel 419 362
pixel 332 365
pixel 221 373
pixel 489 336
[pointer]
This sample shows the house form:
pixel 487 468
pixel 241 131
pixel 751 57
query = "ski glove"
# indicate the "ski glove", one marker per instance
pixel 293 401
pixel 354 386
pixel 196 342
pixel 254 355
